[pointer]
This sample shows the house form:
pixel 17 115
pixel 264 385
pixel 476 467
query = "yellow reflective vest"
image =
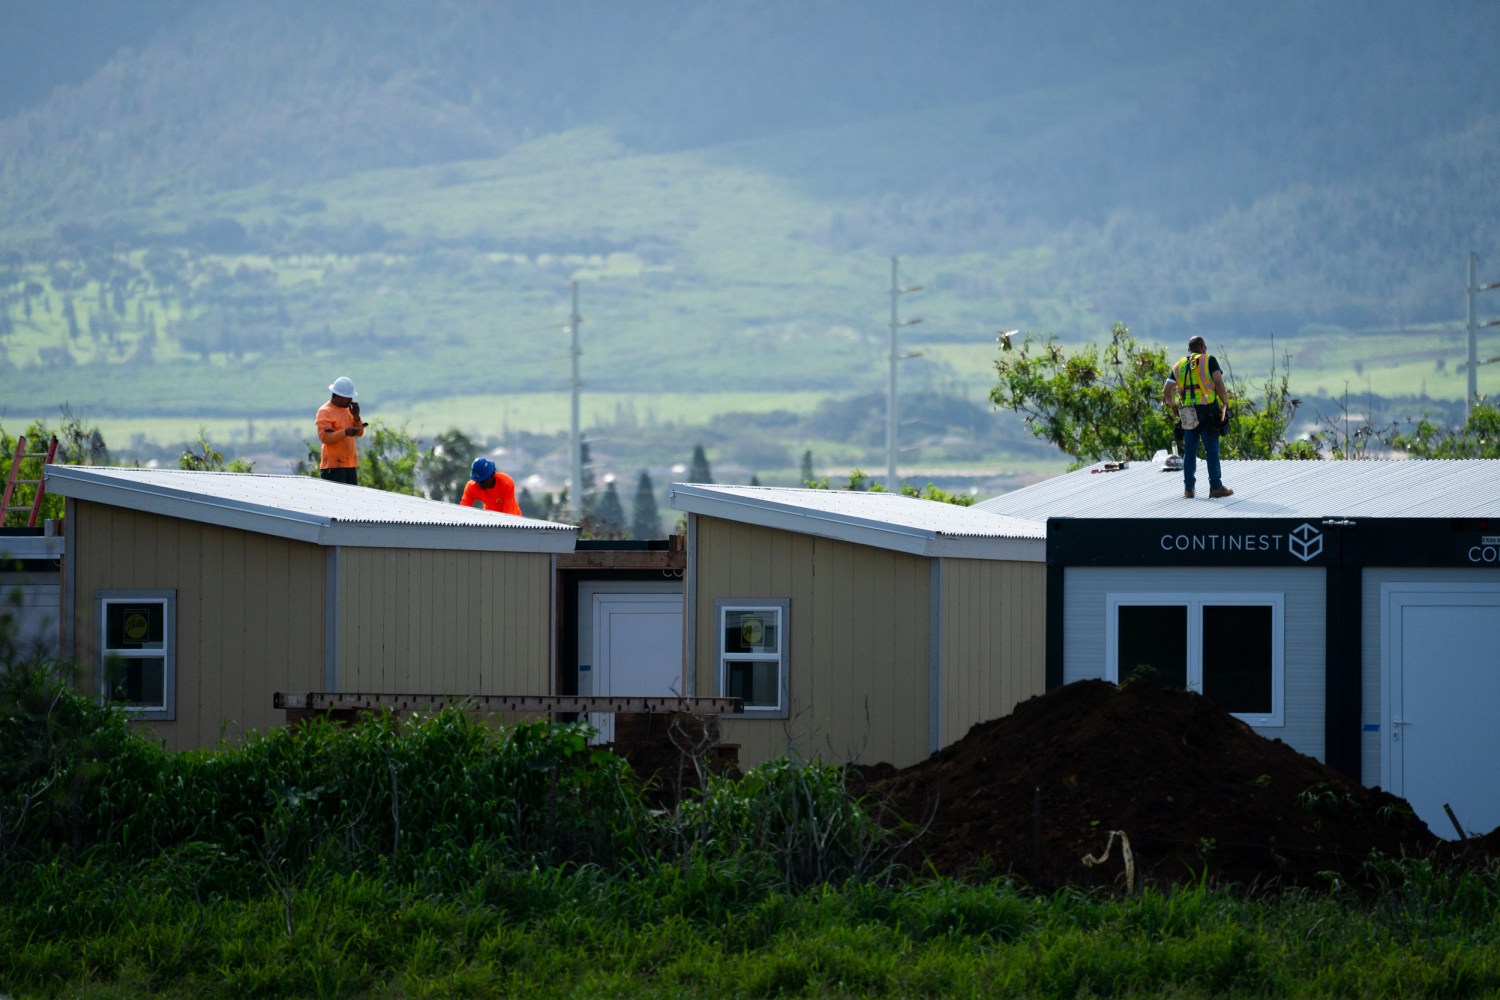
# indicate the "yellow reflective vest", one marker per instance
pixel 1194 384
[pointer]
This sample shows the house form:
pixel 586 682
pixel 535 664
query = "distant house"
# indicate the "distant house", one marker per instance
pixel 1350 609
pixel 189 598
pixel 858 626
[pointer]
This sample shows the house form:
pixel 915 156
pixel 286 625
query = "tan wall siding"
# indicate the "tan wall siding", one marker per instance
pixel 994 640
pixel 858 630
pixel 442 622
pixel 249 614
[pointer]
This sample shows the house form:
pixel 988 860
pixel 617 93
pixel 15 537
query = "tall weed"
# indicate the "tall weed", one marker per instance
pixel 797 820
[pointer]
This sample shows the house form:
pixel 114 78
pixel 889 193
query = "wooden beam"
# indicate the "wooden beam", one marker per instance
pixel 523 704
pixel 622 559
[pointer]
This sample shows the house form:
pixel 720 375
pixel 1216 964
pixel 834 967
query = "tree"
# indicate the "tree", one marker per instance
pixel 645 518
pixel 445 465
pixel 941 496
pixel 1259 428
pixel 388 459
pixel 555 507
pixel 807 468
pixel 586 495
pixel 530 505
pixel 78 443
pixel 1106 404
pixel 1093 406
pixel 207 459
pixel 608 520
pixel 860 482
pixel 1479 437
pixel 699 471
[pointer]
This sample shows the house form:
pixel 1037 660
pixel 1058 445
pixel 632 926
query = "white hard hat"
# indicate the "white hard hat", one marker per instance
pixel 343 386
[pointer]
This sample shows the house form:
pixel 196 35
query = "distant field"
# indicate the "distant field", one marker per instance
pixel 1415 365
pixel 708 285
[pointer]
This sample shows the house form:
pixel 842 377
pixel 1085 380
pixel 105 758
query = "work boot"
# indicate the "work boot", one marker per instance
pixel 1187 494
pixel 1222 491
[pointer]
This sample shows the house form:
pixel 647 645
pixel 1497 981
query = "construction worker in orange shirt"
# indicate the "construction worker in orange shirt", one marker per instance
pixel 338 425
pixel 489 489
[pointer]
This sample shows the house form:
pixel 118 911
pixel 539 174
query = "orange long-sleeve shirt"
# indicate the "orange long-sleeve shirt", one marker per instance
pixel 500 497
pixel 338 448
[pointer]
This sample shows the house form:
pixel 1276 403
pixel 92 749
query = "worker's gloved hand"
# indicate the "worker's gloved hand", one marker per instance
pixel 354 409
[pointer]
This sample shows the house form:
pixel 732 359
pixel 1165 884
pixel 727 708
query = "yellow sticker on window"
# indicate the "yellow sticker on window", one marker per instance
pixel 136 626
pixel 752 631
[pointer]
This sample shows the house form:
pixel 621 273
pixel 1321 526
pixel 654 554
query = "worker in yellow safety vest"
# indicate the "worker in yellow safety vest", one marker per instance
pixel 1195 392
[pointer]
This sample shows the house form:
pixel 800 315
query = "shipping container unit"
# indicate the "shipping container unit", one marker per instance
pixel 1350 609
pixel 191 598
pixel 619 622
pixel 858 627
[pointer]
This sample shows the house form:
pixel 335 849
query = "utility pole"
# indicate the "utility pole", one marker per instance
pixel 575 499
pixel 890 392
pixel 1473 325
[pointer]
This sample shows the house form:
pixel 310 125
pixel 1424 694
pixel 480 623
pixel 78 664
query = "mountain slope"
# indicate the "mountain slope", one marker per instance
pixel 260 189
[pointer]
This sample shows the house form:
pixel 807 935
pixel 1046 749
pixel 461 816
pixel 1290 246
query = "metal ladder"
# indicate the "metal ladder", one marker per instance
pixel 14 479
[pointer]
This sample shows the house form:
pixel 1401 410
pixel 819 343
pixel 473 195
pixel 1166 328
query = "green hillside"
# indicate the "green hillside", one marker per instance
pixel 222 217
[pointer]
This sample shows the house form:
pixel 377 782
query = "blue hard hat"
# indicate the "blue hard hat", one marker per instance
pixel 481 470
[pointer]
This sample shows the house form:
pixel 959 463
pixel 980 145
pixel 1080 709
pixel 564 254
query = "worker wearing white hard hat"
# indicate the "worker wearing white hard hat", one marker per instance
pixel 339 424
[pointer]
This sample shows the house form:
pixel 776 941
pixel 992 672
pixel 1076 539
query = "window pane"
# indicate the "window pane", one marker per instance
pixel 1153 644
pixel 139 682
pixel 751 631
pixel 135 626
pixel 756 682
pixel 1237 657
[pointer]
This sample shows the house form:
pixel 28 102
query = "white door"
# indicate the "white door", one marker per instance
pixel 1442 663
pixel 637 649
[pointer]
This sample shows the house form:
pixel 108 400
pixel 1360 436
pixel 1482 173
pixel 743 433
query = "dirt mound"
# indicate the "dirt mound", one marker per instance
pixel 1196 791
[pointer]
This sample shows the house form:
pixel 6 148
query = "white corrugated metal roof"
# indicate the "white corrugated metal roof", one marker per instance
pixel 1415 488
pixel 882 520
pixel 310 509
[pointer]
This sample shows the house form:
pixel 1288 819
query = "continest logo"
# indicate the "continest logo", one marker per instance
pixel 1305 542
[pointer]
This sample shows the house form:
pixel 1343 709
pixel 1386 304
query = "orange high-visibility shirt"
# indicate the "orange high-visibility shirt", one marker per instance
pixel 338 448
pixel 500 497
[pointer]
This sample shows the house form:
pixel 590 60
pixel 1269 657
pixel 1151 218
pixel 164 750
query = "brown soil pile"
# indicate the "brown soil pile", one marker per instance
pixel 1197 792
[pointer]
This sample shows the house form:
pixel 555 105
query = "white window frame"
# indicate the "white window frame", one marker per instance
pixel 1194 603
pixel 167 599
pixel 781 608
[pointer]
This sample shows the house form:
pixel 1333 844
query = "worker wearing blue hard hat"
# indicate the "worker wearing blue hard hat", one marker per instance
pixel 490 489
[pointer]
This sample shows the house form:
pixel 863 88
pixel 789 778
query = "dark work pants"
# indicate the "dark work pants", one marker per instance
pixel 1190 439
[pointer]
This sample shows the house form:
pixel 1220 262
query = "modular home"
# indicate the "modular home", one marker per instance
pixel 1350 609
pixel 858 627
pixel 191 598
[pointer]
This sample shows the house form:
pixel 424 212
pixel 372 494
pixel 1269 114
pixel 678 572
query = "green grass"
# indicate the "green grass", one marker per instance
pixel 440 857
pixel 78 935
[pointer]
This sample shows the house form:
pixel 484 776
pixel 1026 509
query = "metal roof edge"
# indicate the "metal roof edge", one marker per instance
pixel 840 527
pixel 1002 549
pixel 363 534
pixel 77 482
pixel 928 542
